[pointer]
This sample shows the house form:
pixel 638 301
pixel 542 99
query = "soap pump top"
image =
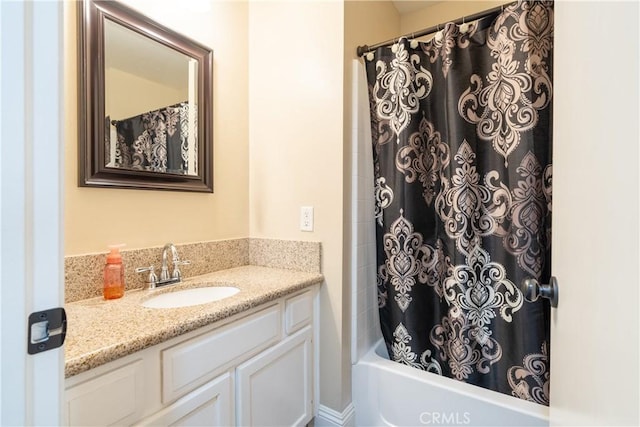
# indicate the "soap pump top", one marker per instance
pixel 114 257
pixel 114 274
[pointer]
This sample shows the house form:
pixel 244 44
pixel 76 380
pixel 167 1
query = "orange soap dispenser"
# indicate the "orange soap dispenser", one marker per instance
pixel 113 274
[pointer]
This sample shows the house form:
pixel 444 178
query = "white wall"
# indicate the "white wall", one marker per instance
pixel 367 23
pixel 365 319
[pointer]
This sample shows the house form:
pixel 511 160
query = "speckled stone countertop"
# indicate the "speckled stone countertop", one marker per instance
pixel 101 331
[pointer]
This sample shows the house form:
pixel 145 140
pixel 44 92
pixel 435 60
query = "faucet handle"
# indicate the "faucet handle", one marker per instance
pixel 177 274
pixel 152 279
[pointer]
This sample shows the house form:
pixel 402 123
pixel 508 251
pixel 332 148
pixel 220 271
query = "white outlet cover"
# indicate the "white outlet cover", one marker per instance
pixel 306 218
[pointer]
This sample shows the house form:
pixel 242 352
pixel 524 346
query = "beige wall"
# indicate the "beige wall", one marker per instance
pixel 438 13
pixel 296 118
pixel 95 217
pixel 365 23
pixel 130 95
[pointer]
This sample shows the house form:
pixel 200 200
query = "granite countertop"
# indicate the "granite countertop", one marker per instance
pixel 100 331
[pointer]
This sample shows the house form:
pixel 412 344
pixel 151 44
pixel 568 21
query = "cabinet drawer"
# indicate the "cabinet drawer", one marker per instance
pixel 298 312
pixel 198 360
pixel 109 399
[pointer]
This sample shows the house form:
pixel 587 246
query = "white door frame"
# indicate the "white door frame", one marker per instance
pixel 594 330
pixel 31 189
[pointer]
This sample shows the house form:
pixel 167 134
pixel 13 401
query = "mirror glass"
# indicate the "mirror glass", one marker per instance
pixel 146 116
pixel 150 90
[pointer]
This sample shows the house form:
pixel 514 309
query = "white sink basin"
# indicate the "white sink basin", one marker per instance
pixel 189 297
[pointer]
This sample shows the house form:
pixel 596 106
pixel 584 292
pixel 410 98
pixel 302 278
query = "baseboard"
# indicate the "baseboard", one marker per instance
pixel 327 417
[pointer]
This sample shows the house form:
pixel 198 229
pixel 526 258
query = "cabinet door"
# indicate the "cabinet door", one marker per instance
pixel 275 387
pixel 209 405
pixel 113 398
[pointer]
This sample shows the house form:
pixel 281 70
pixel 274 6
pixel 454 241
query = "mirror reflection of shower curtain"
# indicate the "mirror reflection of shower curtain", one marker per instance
pixel 462 145
pixel 155 141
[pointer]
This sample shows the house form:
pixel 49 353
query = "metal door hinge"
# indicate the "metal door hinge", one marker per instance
pixel 47 330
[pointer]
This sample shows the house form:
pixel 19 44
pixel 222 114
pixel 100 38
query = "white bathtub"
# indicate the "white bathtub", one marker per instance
pixel 387 393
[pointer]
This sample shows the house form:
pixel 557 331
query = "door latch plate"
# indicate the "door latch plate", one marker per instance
pixel 47 330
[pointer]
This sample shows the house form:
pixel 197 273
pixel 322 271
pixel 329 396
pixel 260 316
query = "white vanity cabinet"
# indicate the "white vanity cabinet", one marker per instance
pixel 255 368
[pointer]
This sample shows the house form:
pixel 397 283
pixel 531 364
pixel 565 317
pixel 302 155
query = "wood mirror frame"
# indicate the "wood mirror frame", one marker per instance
pixel 92 171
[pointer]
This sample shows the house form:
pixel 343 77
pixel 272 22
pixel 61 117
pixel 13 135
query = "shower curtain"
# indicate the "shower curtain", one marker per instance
pixel 155 141
pixel 461 132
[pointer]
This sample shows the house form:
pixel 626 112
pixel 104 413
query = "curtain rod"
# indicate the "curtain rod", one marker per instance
pixel 361 50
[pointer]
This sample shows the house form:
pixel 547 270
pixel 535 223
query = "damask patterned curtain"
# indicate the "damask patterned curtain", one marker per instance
pixel 155 141
pixel 461 129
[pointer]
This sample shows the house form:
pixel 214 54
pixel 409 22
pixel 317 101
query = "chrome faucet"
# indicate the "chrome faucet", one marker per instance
pixel 176 276
pixel 165 278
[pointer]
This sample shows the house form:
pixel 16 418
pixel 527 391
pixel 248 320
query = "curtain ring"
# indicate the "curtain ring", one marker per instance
pixel 462 27
pixel 413 43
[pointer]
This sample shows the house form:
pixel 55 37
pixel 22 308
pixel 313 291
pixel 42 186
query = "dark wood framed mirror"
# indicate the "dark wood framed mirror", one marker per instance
pixel 145 103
